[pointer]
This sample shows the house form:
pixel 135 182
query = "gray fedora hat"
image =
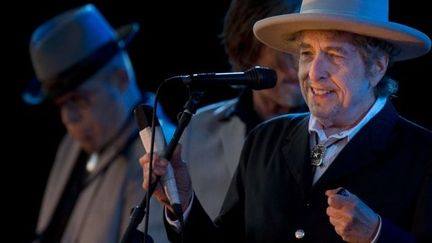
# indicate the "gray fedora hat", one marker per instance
pixel 69 48
pixel 364 17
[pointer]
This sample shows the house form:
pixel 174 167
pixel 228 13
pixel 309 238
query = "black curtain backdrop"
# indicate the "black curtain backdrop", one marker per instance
pixel 176 37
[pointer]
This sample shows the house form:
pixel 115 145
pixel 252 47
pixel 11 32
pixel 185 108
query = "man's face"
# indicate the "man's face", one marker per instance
pixel 333 78
pixel 90 112
pixel 286 95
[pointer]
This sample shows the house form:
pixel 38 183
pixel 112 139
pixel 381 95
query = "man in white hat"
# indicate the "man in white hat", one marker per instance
pixel 350 170
pixel 81 65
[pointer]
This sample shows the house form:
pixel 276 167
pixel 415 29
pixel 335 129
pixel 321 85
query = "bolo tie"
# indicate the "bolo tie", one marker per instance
pixel 318 151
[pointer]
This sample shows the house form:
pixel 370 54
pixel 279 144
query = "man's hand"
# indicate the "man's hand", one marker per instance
pixel 353 220
pixel 181 174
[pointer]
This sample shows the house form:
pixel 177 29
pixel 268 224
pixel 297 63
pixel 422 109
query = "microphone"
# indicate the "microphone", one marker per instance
pixel 144 115
pixel 256 78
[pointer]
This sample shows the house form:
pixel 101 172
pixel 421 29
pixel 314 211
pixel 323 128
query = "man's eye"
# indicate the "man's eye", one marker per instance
pixel 305 53
pixel 335 54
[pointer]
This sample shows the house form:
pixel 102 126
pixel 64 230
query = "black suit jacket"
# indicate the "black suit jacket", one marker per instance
pixel 387 164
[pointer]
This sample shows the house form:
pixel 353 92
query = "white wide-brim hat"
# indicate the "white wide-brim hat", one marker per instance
pixel 69 48
pixel 364 17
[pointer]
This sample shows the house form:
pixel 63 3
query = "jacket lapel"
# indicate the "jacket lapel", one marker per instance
pixel 63 167
pixel 230 135
pixel 296 153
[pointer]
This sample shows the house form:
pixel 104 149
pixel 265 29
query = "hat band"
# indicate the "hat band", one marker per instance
pixel 78 73
pixel 373 10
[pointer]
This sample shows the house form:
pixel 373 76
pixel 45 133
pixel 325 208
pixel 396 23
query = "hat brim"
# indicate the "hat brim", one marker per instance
pixel 277 32
pixel 33 93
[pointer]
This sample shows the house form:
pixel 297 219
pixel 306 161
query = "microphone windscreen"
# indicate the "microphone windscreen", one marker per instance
pixel 264 78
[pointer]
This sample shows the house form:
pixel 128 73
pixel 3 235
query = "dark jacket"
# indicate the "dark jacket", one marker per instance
pixel 387 164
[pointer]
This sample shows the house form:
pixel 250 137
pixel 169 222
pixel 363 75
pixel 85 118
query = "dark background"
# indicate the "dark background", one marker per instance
pixel 176 37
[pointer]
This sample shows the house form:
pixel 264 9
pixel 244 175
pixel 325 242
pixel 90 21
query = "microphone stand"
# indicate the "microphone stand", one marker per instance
pixel 138 213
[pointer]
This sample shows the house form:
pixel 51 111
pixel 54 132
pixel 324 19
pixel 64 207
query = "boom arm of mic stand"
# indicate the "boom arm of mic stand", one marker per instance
pixel 139 211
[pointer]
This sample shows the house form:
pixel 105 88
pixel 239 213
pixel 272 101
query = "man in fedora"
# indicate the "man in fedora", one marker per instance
pixel 350 170
pixel 81 65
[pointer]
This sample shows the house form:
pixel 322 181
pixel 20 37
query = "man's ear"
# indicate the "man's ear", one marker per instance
pixel 379 69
